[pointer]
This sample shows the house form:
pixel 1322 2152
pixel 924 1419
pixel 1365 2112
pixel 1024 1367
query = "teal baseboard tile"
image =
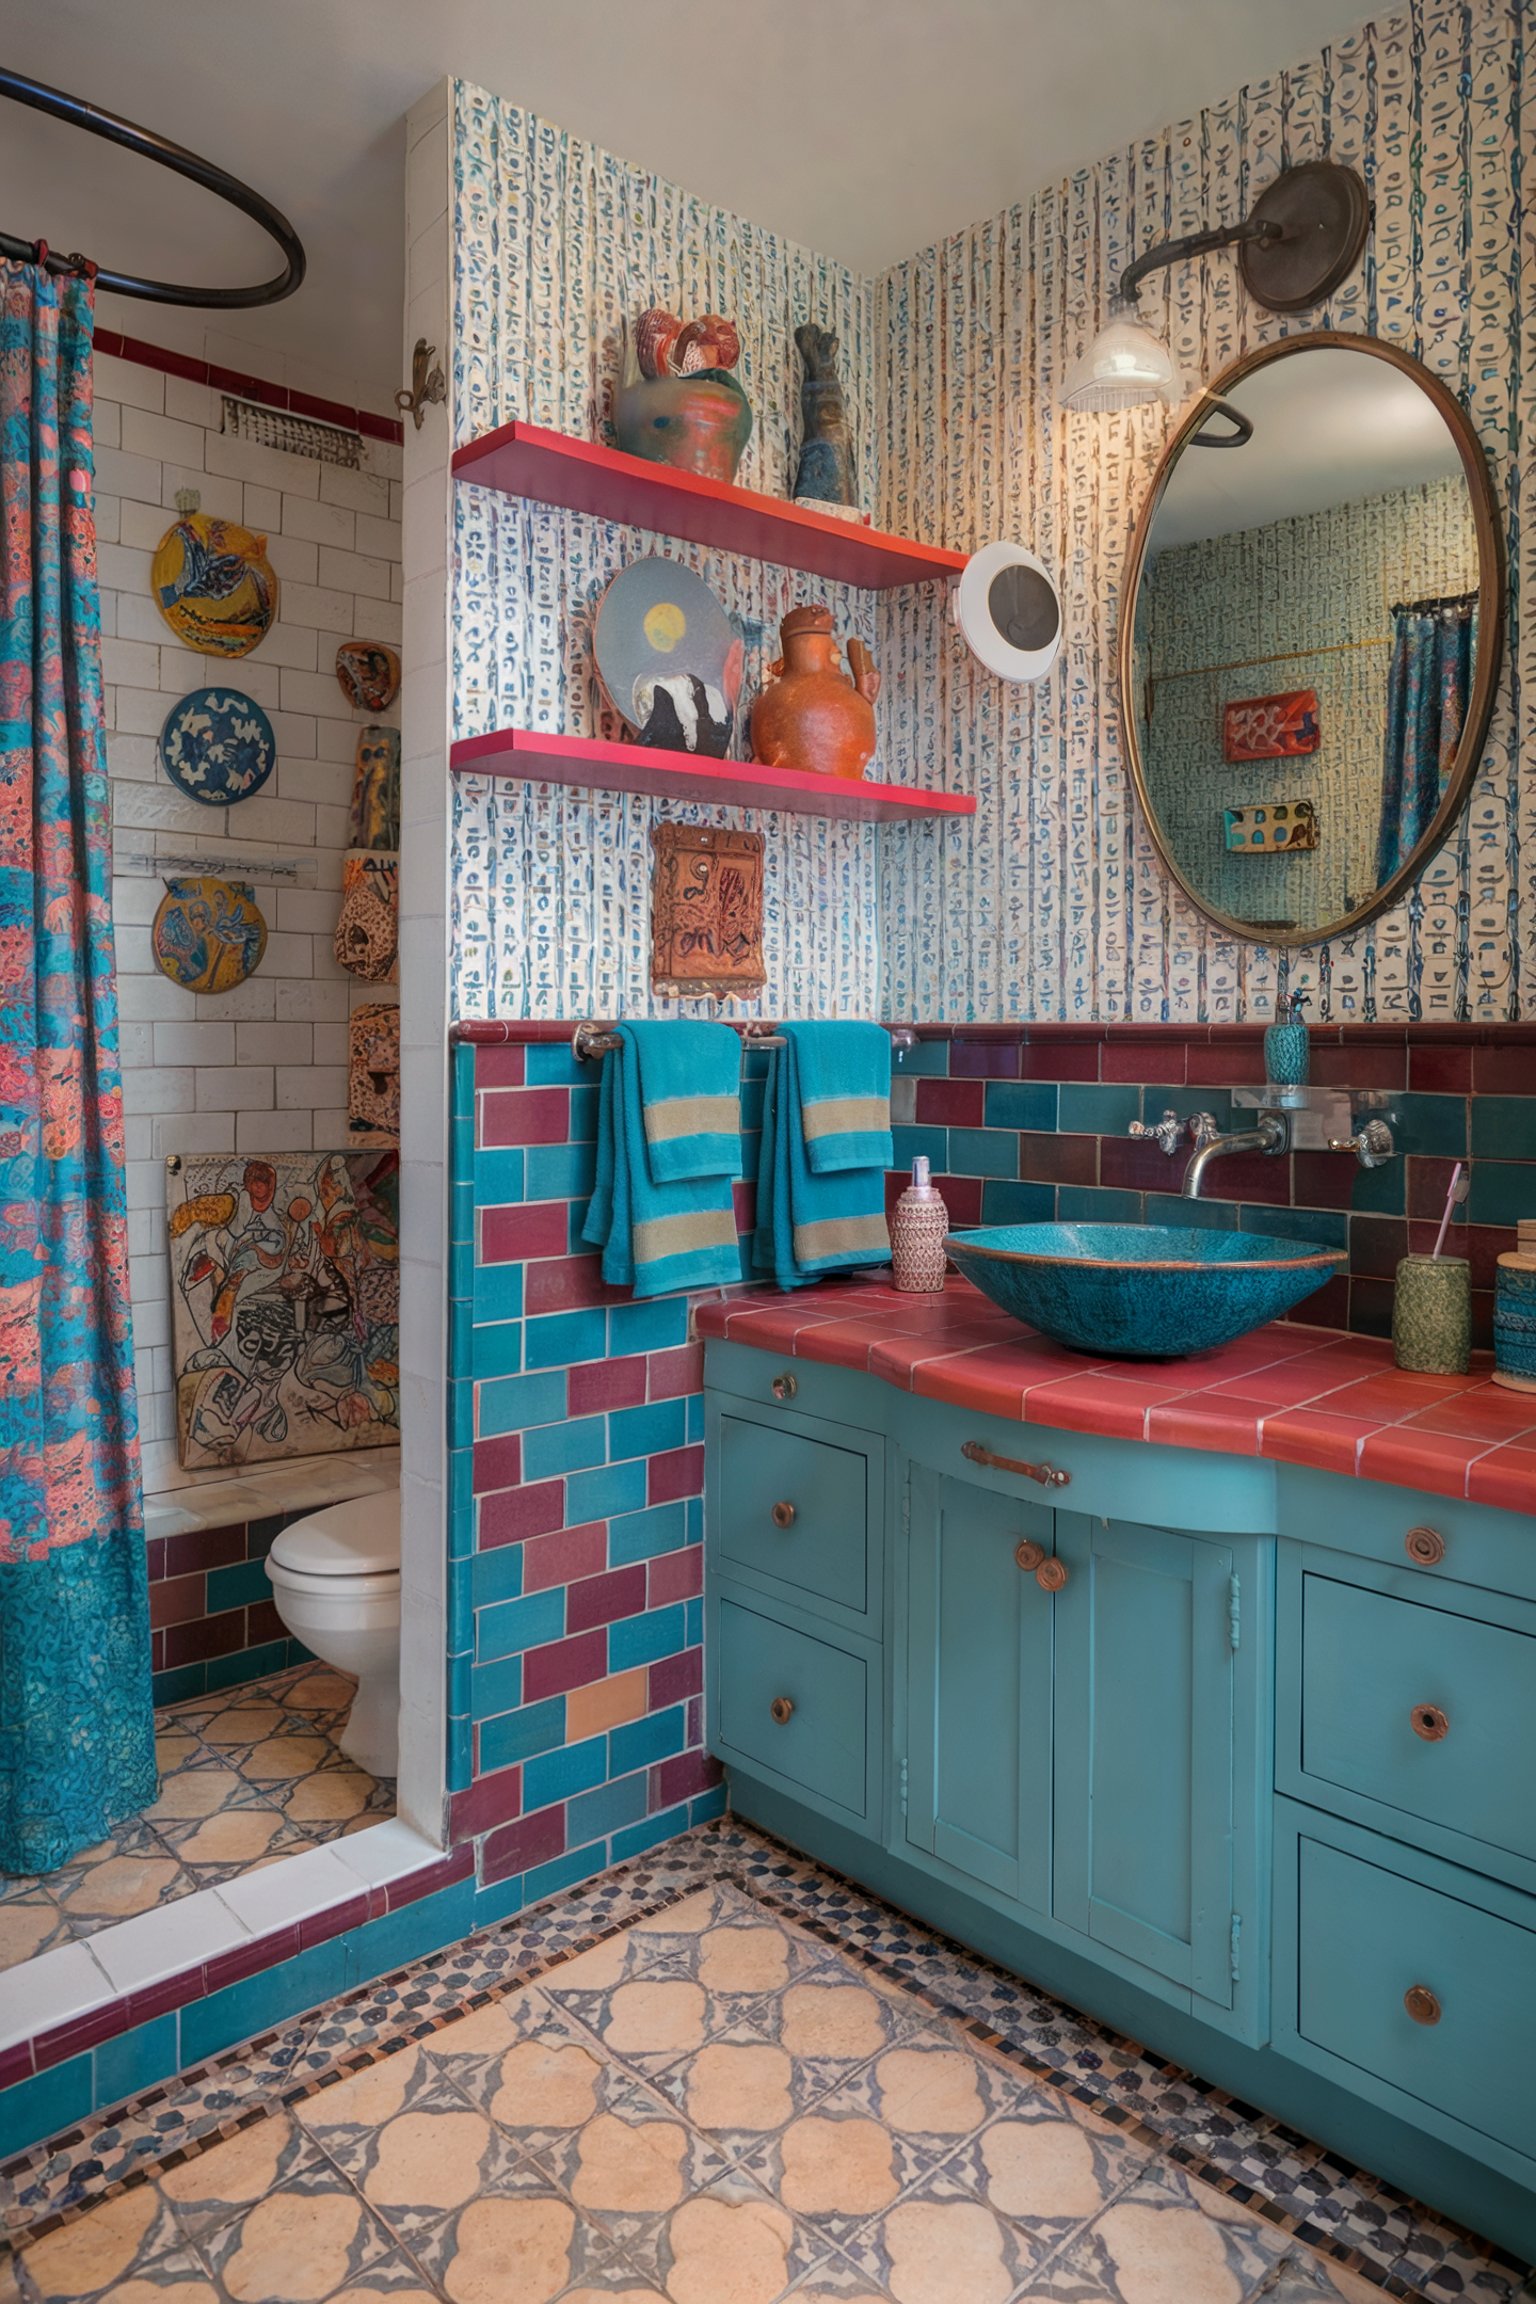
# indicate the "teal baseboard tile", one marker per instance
pixel 501 1902
pixel 180 1682
pixel 565 1871
pixel 39 2107
pixel 1363 2134
pixel 650 1833
pixel 409 1934
pixel 137 2060
pixel 707 1806
pixel 259 2002
pixel 461 1753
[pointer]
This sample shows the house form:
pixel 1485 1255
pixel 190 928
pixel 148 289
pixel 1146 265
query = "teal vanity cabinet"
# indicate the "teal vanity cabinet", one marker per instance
pixel 1239 1757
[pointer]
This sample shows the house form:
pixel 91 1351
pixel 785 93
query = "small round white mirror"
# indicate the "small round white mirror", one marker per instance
pixel 1007 606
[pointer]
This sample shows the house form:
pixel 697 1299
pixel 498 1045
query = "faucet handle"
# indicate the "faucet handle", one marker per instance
pixel 1167 1131
pixel 1372 1145
pixel 1203 1128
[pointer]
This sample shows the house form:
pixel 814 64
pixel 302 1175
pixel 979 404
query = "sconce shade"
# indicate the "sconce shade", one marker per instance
pixel 1125 366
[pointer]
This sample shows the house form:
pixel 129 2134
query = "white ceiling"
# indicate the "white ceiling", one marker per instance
pixel 865 128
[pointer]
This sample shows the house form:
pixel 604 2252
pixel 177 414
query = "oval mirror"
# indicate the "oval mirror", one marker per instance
pixel 1312 635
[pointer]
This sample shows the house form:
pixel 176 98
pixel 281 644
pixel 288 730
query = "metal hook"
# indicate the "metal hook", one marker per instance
pixel 428 383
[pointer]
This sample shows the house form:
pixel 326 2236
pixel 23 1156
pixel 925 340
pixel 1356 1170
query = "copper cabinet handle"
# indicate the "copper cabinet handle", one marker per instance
pixel 783 1514
pixel 1048 1475
pixel 1429 1722
pixel 786 1386
pixel 780 1709
pixel 1028 1555
pixel 1422 2004
pixel 1425 1547
pixel 1051 1575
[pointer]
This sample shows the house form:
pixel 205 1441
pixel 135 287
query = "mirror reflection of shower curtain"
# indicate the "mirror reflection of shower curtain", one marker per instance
pixel 1429 683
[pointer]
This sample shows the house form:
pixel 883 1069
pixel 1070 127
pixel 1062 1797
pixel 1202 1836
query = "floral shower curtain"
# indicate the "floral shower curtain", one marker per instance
pixel 1428 685
pixel 76 1723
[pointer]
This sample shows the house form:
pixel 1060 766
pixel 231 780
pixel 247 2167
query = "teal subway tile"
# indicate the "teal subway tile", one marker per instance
pixel 461 1753
pixel 571 1447
pixel 249 1664
pixel 646 1431
pixel 605 1493
pixel 930 1144
pixel 553 1776
pixel 39 2107
pixel 1437 1125
pixel 497 1350
pixel 693 1624
pixel 695 1506
pixel 707 1804
pixel 1380 1191
pixel 258 2002
pixel 1021 1104
pixel 1003 1202
pixel 495 1575
pixel 237 1586
pixel 1503 1191
pixel 1216 1101
pixel 561 1339
pixel 561 1171
pixel 500 1176
pixel 929 1059
pixel 461 1506
pixel 518 1735
pixel 1088 1108
pixel 564 1872
pixel 1503 1127
pixel 409 1934
pixel 650 1834
pixel 137 2060
pixel 642 1639
pixel 503 1902
pixel 498 1294
pixel 641 1743
pixel 181 1681
pixel 593 1815
pixel 583 1121
pixel 752 1107
pixel 1095 1204
pixel 514 1403
pixel 983 1152
pixel 552 1064
pixel 695 1416
pixel 461 1077
pixel 1201 1215
pixel 517 1625
pixel 461 1681
pixel 461 1399
pixel 496 1688
pixel 1329 1227
pixel 649 1326
pixel 461 1214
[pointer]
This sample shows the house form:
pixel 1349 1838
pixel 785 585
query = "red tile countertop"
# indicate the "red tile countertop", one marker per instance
pixel 1312 1396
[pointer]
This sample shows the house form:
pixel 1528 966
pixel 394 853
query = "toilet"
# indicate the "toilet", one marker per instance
pixel 335 1578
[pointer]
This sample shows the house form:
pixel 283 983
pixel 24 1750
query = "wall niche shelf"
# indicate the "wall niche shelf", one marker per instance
pixel 556 468
pixel 534 758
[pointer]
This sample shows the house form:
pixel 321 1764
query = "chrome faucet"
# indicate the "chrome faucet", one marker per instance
pixel 1271 1132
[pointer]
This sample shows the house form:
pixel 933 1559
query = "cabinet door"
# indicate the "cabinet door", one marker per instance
pixel 978 1652
pixel 1145 1626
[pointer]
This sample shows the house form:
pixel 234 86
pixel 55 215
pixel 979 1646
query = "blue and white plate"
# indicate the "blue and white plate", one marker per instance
pixel 218 746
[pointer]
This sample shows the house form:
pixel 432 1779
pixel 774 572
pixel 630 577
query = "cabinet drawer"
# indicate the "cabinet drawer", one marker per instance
pixel 794 1704
pixel 1375 1943
pixel 1435 1539
pixel 793 1510
pixel 1422 1713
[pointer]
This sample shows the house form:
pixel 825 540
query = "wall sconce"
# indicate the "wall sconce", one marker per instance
pixel 1304 235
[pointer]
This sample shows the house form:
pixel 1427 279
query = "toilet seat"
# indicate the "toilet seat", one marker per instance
pixel 284 1577
pixel 350 1543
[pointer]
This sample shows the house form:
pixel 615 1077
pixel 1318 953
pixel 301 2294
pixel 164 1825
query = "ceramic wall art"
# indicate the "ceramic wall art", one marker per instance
pixel 375 817
pixel 706 912
pixel 369 674
pixel 812 714
pixel 213 583
pixel 1272 727
pixel 669 658
pixel 208 935
pixel 826 469
pixel 373 1070
pixel 1266 828
pixel 677 401
pixel 217 746
pixel 367 926
pixel 284 1304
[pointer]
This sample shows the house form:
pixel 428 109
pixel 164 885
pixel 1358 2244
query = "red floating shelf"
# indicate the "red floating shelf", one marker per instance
pixel 556 468
pixel 538 759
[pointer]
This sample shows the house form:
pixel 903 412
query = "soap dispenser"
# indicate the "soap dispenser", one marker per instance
pixel 1287 1052
pixel 918 1225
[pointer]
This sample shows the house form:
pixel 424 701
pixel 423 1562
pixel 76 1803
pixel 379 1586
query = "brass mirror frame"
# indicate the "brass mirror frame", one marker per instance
pixel 1491 590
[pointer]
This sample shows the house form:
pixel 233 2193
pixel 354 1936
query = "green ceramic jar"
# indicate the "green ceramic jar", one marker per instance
pixel 1432 1315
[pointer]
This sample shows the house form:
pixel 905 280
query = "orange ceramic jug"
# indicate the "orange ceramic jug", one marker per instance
pixel 812 714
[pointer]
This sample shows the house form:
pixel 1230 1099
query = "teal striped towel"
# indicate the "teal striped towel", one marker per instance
pixel 821 1174
pixel 662 1217
pixel 690 1095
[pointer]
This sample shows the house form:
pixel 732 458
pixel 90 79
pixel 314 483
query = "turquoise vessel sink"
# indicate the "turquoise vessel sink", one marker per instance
pixel 1140 1291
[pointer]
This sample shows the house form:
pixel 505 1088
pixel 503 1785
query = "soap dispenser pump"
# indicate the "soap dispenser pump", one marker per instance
pixel 1287 1052
pixel 919 1222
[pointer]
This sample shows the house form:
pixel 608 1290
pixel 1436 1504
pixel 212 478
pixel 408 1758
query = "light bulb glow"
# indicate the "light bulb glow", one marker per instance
pixel 1125 366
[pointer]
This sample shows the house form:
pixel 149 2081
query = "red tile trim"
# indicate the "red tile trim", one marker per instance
pixel 145 355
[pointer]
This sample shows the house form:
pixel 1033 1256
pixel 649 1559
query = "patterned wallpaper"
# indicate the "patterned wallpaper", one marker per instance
pixel 1325 581
pixel 1057 907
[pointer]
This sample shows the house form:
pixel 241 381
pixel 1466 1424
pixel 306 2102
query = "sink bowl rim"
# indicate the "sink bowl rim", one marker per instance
pixel 1310 1256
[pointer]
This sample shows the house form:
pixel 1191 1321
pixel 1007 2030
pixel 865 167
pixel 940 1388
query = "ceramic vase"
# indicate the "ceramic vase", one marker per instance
pixel 699 422
pixel 812 714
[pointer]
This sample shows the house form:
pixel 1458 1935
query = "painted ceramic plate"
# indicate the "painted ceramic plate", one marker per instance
pixel 669 658
pixel 369 674
pixel 214 585
pixel 218 746
pixel 208 934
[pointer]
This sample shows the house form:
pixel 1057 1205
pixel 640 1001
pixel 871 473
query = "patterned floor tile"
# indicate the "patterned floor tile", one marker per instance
pixel 216 2186
pixel 729 2244
pixel 1167 2237
pixel 101 2254
pixel 533 2248
pixel 305 2240
pixel 938 2245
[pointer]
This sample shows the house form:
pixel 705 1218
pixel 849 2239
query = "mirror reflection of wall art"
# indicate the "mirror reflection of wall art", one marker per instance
pixel 669 659
pixel 217 746
pixel 1267 829
pixel 213 583
pixel 1272 727
pixel 368 674
pixel 706 912
pixel 375 818
pixel 285 1304
pixel 367 926
pixel 208 935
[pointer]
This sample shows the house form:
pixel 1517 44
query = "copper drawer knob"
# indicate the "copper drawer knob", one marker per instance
pixel 1028 1556
pixel 1429 1722
pixel 784 1387
pixel 1425 1547
pixel 1421 2004
pixel 780 1709
pixel 1051 1575
pixel 783 1515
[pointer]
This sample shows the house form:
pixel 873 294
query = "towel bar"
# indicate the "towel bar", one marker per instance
pixel 591 1039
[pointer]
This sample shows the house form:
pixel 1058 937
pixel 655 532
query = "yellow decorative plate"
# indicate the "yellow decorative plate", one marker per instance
pixel 214 584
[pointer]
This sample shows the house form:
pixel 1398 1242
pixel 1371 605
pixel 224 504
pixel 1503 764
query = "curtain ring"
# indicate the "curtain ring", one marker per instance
pixel 40 254
pixel 83 265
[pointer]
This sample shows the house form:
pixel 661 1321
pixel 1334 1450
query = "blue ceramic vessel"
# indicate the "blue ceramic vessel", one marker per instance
pixel 1140 1291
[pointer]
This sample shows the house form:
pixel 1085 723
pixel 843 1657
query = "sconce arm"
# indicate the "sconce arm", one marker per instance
pixel 1192 244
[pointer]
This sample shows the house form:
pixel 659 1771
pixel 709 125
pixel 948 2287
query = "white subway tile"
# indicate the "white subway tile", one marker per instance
pixel 326 607
pixel 354 572
pixel 285 1043
pixel 234 1088
pixel 381 538
pixel 308 1087
pixel 151 997
pixel 126 382
pixel 274 1132
pixel 141 711
pixel 294 558
pixel 145 434
pixel 106 427
pixel 193 1133
pixel 160 1088
pixel 295 645
pixel 122 568
pixel 288 957
pixel 248 1002
pixel 359 491
pixel 264 507
pixel 192 403
pixel 131 663
pixel 269 467
pixel 220 497
pixel 319 999
pixel 321 522
pixel 139 619
pixel 315 692
pixel 194 1043
pixel 295 733
pixel 306 911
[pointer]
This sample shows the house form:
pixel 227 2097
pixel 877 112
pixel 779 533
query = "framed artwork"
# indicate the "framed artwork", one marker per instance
pixel 285 1304
pixel 706 912
pixel 1272 727
pixel 1271 825
pixel 213 583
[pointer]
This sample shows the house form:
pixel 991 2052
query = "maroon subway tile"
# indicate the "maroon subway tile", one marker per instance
pixel 499 1067
pixel 567 1284
pixel 518 1847
pixel 199 1548
pixel 675 1576
pixel 525 1116
pixel 1376 1246
pixel 1224 1064
pixel 693 1721
pixel 490 1800
pixel 250 1958
pixel 1370 1305
pixel 498 1462
pixel 1319 1179
pixel 512 1235
pixel 594 1385
pixel 951 1103
pixel 602 1600
pixel 154 1558
pixel 961 1196
pixel 564 1556
pixel 681 1778
pixel 427 1879
pixel 984 1060
pixel 1136 1164
pixel 209 1636
pixel 1158 1063
pixel 1504 1071
pixel 1429 1181
pixel 165 1994
pixel 1262 1176
pixel 1439 1071
pixel 157 1651
pixel 335 1920
pixel 57 2045
pixel 515 1513
pixel 1354 1066
pixel 1059 1060
pixel 263 1623
pixel 16 2063
pixel 676 1372
pixel 1481 1244
pixel 675 1678
pixel 178 1599
pixel 677 1472
pixel 565 1664
pixel 1326 1307
pixel 1048 1159
pixel 744 1204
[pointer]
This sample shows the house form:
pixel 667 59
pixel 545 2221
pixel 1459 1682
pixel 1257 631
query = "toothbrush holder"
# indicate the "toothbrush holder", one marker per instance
pixel 1432 1315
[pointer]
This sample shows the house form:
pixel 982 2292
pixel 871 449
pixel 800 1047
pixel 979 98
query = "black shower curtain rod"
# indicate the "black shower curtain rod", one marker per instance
pixel 1437 601
pixel 95 122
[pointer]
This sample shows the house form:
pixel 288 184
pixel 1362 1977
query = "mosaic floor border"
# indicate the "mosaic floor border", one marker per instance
pixel 1354 2219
